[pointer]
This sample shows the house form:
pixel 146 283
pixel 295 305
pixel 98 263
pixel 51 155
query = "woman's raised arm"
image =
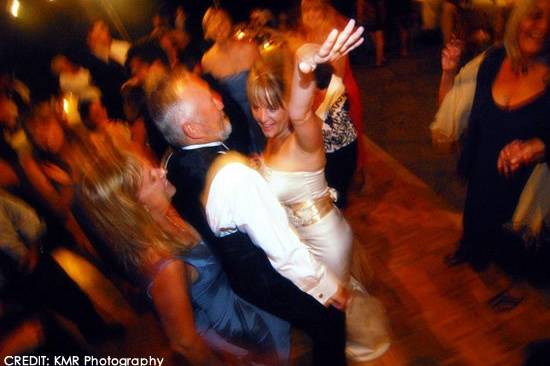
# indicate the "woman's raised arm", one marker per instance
pixel 337 44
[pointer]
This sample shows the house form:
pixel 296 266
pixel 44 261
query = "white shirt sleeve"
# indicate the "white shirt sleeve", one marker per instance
pixel 240 199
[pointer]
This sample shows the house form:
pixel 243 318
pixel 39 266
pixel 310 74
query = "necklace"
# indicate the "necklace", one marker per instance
pixel 514 88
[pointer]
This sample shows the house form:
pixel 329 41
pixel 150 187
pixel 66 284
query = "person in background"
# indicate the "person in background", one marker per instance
pixel 180 19
pixel 144 58
pixel 339 134
pixel 14 102
pixel 10 172
pixel 31 278
pixel 73 78
pixel 507 134
pixel 95 118
pixel 174 43
pixel 48 167
pixel 318 19
pixel 400 15
pixel 105 59
pixel 161 23
pixel 229 61
pixel 372 15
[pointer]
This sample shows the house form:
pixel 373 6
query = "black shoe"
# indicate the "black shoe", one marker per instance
pixel 455 259
pixel 504 301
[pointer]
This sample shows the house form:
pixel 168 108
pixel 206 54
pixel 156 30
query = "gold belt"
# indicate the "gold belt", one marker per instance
pixel 311 211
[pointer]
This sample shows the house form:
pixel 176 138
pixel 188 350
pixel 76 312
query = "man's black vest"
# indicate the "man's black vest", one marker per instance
pixel 240 257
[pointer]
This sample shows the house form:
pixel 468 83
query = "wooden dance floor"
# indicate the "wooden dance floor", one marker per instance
pixel 438 315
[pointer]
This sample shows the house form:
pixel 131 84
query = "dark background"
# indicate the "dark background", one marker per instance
pixel 45 28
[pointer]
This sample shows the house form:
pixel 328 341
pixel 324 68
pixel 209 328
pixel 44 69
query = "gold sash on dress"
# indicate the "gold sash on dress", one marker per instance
pixel 311 211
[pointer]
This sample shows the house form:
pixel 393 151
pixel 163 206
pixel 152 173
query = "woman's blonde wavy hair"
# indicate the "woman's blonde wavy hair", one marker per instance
pixel 107 194
pixel 511 42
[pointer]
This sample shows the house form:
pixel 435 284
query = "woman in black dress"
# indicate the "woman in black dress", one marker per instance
pixel 508 133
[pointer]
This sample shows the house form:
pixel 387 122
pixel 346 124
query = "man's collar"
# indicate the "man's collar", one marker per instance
pixel 199 146
pixel 166 159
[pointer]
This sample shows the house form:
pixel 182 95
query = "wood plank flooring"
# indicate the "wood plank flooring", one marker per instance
pixel 438 315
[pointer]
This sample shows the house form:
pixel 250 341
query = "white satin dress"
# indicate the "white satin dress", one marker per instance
pixel 328 237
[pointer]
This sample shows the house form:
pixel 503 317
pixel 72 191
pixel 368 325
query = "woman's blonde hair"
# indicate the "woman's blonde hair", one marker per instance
pixel 511 43
pixel 107 194
pixel 265 89
pixel 269 79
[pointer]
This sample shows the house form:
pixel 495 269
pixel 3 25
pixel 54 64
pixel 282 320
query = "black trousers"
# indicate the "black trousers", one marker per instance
pixel 253 278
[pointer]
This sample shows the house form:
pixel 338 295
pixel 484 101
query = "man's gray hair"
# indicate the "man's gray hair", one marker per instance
pixel 167 106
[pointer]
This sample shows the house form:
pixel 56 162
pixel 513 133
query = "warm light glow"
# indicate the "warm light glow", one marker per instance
pixel 14 8
pixel 267 45
pixel 240 35
pixel 70 109
pixel 179 87
pixel 66 105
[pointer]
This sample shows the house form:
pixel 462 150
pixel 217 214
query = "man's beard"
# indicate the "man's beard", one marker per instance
pixel 227 128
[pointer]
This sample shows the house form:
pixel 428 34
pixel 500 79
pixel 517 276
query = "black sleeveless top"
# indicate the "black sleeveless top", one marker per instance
pixel 491 197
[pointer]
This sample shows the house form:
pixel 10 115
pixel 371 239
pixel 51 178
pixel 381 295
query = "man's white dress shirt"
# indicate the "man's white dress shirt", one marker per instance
pixel 240 200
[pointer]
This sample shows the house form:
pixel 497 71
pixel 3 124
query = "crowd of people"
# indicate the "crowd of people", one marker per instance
pixel 214 180
pixel 124 167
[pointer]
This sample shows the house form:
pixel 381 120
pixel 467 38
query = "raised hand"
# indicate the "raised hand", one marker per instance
pixel 336 45
pixel 451 54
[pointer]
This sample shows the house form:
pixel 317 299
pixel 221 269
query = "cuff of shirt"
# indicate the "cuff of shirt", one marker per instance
pixel 327 287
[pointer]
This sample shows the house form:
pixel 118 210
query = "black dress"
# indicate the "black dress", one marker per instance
pixel 491 198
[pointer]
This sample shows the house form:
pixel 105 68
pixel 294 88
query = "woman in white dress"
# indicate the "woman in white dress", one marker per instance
pixel 294 165
pixel 294 157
